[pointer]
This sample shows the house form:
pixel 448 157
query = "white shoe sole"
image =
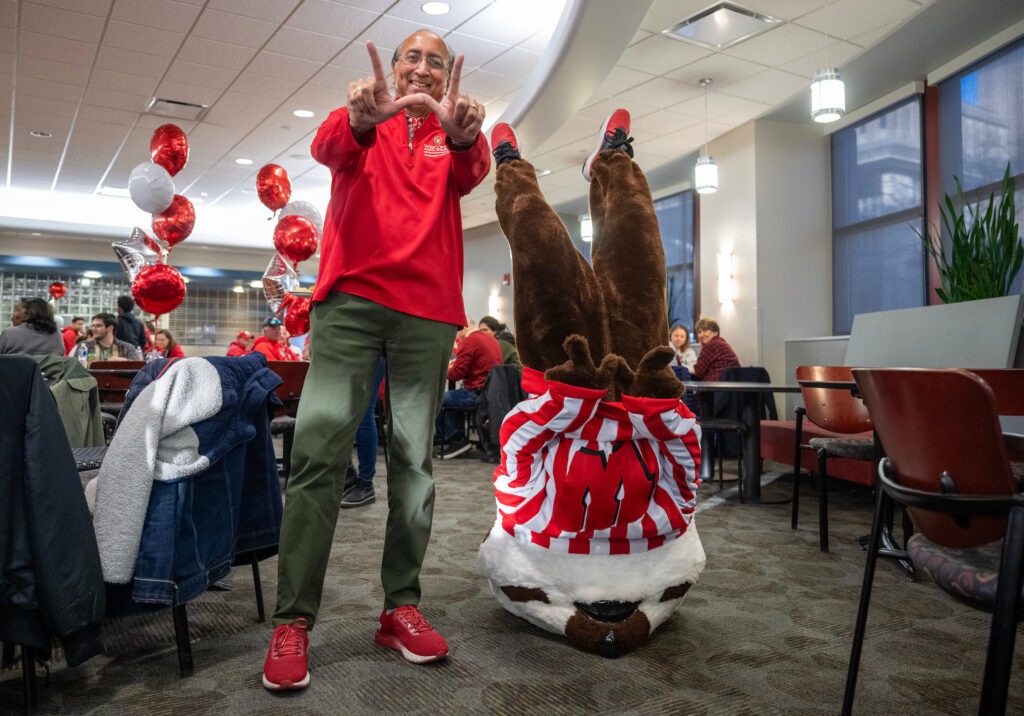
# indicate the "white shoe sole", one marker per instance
pixel 393 642
pixel 287 685
pixel 600 141
pixel 459 451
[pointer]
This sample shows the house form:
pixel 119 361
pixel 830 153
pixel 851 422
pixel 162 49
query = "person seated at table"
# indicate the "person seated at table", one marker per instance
pixel 269 344
pixel 104 346
pixel 685 356
pixel 164 346
pixel 72 332
pixel 242 344
pixel 715 353
pixel 477 353
pixel 507 342
pixel 33 330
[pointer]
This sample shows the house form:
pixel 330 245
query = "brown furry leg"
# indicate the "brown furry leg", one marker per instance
pixel 628 257
pixel 556 292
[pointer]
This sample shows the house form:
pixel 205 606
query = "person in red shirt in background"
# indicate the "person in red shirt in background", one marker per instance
pixel 71 333
pixel 478 352
pixel 269 344
pixel 165 345
pixel 242 345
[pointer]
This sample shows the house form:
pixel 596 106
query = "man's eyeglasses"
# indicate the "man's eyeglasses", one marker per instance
pixel 434 62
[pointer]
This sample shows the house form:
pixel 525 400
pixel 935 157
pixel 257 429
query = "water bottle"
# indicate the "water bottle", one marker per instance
pixel 83 354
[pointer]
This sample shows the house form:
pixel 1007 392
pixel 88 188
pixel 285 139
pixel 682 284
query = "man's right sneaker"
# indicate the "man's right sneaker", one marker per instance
pixel 359 494
pixel 286 667
pixel 456 447
pixel 408 631
pixel 614 135
pixel 504 144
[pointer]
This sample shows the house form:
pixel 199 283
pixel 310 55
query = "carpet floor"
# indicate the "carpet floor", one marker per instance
pixel 766 630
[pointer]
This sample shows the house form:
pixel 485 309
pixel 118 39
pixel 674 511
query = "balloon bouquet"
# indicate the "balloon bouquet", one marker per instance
pixel 296 238
pixel 158 287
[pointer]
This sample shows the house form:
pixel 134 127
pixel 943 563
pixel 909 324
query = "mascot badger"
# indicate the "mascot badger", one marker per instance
pixel 594 535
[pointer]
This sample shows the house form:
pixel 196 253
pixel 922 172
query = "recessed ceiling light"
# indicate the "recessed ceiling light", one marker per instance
pixel 186 279
pixel 114 191
pixel 304 113
pixel 243 161
pixel 36 233
pixel 92 274
pixel 255 284
pixel 238 289
pixel 300 155
pixel 204 193
pixel 436 8
pixel 38 134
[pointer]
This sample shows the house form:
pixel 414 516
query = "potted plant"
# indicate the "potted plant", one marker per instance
pixel 985 249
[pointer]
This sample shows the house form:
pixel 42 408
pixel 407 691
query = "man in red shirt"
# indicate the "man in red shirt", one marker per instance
pixel 389 283
pixel 269 344
pixel 478 353
pixel 71 333
pixel 242 344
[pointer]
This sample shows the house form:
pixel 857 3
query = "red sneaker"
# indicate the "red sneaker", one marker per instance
pixel 614 135
pixel 504 144
pixel 286 666
pixel 407 630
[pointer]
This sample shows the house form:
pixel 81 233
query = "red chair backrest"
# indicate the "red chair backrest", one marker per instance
pixel 1007 386
pixel 833 409
pixel 293 375
pixel 932 421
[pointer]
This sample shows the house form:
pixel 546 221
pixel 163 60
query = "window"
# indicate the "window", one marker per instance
pixel 878 260
pixel 981 129
pixel 675 221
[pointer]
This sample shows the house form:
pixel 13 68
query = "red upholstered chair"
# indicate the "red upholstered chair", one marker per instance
pixel 846 419
pixel 947 464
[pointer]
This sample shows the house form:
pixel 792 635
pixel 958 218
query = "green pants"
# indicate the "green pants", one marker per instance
pixel 348 334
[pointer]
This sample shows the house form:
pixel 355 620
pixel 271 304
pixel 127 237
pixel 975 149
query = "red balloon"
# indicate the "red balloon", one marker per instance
pixel 158 289
pixel 295 238
pixel 296 318
pixel 58 290
pixel 169 148
pixel 176 223
pixel 273 186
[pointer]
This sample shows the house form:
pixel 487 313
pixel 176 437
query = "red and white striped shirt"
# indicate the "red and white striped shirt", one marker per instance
pixel 583 476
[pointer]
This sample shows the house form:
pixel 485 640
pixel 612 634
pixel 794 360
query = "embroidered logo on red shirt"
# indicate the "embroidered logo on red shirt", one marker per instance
pixel 436 147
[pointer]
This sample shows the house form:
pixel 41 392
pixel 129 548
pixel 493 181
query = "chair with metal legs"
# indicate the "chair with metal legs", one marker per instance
pixel 950 469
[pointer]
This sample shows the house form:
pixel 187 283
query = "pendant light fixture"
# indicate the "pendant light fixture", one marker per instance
pixel 828 94
pixel 705 174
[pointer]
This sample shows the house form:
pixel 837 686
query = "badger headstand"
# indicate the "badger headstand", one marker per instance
pixel 596 490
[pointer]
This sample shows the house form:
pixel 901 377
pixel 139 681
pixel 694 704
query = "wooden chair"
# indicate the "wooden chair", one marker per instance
pixel 113 378
pixel 293 376
pixel 949 467
pixel 837 411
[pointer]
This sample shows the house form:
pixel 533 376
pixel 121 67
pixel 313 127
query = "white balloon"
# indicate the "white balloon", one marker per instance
pixel 307 210
pixel 151 188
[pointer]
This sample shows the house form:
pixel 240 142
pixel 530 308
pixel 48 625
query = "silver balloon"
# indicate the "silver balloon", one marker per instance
pixel 138 251
pixel 278 280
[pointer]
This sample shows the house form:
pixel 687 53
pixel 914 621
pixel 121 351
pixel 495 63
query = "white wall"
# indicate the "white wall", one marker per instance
pixel 487 259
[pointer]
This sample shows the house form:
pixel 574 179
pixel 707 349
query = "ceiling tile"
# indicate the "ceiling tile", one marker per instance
pixel 187 72
pixel 720 67
pixel 160 14
pixel 515 62
pixel 851 18
pixel 125 36
pixel 478 52
pixel 35 87
pixel 271 10
pixel 659 92
pixel 331 18
pixel 141 63
pixel 283 67
pixel 779 45
pixel 118 100
pixel 218 54
pixel 52 70
pixel 121 82
pixel 619 80
pixel 512 22
pixel 766 86
pixel 46 105
pixel 233 29
pixel 33 44
pixel 187 92
pixel 304 44
pixel 659 55
pixel 59 22
pixel 485 86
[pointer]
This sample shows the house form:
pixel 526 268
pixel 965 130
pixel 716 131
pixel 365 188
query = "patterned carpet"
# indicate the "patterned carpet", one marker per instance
pixel 765 631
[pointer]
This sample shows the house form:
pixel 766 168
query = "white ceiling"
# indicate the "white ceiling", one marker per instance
pixel 84 70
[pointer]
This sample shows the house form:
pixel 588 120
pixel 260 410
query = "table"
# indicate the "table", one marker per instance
pixel 751 418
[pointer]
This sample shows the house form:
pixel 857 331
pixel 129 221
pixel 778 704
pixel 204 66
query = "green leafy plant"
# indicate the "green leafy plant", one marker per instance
pixel 985 249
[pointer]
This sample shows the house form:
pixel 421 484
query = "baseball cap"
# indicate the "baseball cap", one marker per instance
pixel 272 321
pixel 243 334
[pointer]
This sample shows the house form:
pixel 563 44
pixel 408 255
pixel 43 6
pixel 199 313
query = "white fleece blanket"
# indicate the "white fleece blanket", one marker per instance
pixel 153 442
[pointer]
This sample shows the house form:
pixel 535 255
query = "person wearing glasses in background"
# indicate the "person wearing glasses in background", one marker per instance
pixel 103 345
pixel 390 284
pixel 270 343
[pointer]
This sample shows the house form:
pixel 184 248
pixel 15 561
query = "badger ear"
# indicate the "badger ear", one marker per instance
pixel 525 594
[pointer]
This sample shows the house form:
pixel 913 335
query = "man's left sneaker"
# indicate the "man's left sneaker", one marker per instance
pixel 408 631
pixel 614 135
pixel 504 144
